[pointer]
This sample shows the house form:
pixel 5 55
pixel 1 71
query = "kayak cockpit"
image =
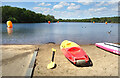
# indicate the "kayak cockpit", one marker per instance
pixel 74 49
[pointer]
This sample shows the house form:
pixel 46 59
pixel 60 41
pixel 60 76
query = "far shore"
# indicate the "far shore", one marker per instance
pixel 59 22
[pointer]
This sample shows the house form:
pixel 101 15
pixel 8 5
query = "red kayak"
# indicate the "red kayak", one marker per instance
pixel 74 53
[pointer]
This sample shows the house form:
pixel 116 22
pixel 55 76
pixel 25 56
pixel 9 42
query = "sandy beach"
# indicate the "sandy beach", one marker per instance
pixel 16 58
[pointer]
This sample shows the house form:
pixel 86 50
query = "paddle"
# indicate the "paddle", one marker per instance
pixel 52 64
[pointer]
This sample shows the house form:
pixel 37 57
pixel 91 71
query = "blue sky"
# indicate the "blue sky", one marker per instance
pixel 70 10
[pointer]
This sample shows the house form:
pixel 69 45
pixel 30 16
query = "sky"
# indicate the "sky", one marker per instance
pixel 70 9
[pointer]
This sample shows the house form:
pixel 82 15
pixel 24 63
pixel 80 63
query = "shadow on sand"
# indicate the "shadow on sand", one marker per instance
pixel 88 64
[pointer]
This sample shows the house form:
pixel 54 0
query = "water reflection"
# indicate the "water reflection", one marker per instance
pixel 40 33
pixel 9 30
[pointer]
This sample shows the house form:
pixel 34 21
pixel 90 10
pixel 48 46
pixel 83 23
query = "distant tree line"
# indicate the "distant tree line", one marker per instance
pixel 21 15
pixel 98 20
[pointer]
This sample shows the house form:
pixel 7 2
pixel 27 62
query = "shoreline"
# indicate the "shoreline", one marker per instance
pixel 50 43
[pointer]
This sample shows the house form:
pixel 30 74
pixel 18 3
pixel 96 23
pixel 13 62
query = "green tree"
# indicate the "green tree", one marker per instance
pixel 12 19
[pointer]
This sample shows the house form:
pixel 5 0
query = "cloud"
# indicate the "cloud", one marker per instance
pixel 55 0
pixel 57 6
pixel 100 3
pixel 112 3
pixel 85 2
pixel 64 14
pixel 72 4
pixel 79 16
pixel 115 8
pixel 97 9
pixel 58 14
pixel 73 7
pixel 102 11
pixel 43 4
pixel 42 10
pixel 64 3
pixel 60 5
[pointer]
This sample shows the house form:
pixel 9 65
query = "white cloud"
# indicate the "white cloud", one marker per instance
pixel 102 12
pixel 98 9
pixel 65 14
pixel 88 13
pixel 48 4
pixel 64 3
pixel 112 1
pixel 43 4
pixel 100 3
pixel 73 7
pixel 55 0
pixel 35 8
pixel 42 10
pixel 79 16
pixel 57 6
pixel 115 9
pixel 72 4
pixel 60 5
pixel 85 2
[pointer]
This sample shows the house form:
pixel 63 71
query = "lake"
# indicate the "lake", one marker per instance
pixel 40 33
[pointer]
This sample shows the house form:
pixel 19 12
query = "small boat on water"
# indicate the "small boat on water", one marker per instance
pixel 74 53
pixel 114 48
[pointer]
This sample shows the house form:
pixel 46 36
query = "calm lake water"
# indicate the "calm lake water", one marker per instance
pixel 40 33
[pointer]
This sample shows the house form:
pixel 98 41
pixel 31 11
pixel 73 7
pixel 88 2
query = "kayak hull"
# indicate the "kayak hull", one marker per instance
pixel 74 53
pixel 109 47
